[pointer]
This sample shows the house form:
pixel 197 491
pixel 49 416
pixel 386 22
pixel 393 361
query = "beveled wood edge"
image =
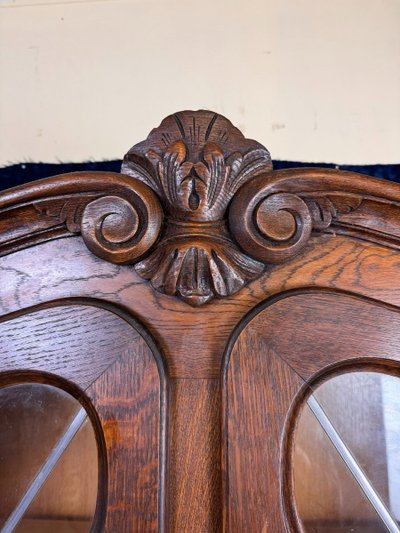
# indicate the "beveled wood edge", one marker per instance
pixel 20 375
pixel 379 364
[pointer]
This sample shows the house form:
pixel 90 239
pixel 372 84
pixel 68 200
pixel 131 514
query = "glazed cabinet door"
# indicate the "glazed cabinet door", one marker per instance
pixel 312 417
pixel 82 422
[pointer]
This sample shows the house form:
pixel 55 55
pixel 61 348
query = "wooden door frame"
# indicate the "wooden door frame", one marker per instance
pixel 233 234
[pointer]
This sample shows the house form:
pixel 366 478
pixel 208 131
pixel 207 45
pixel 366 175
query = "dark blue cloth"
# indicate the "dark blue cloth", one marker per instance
pixel 26 172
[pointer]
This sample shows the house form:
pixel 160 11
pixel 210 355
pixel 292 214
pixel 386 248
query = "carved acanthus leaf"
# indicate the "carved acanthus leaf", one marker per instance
pixel 65 210
pixel 325 209
pixel 272 225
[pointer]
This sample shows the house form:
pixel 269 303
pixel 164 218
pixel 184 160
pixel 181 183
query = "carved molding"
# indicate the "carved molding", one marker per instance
pixel 119 218
pixel 275 217
pixel 198 210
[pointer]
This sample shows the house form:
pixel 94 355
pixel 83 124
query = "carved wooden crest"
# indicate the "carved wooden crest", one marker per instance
pixel 195 162
pixel 198 210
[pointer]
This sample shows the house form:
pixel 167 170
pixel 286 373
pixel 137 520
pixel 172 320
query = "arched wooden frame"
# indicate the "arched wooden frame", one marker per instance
pixel 195 235
pixel 327 332
pixel 109 389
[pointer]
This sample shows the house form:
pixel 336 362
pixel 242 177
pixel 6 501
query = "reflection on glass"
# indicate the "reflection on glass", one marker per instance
pixel 48 461
pixel 347 456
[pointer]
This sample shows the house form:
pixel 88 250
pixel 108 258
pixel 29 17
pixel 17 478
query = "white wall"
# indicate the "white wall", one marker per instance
pixel 314 80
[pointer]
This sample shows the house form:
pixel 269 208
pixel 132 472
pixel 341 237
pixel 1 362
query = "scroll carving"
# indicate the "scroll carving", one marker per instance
pixel 121 230
pixel 326 209
pixel 198 210
pixel 119 218
pixel 274 217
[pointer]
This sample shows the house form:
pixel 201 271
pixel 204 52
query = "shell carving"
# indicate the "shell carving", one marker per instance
pixel 195 162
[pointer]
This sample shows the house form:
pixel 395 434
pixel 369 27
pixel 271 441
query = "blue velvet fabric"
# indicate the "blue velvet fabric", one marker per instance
pixel 25 172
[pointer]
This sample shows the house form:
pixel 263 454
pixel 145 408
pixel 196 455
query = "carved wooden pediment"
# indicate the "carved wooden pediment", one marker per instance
pixel 198 210
pixel 195 162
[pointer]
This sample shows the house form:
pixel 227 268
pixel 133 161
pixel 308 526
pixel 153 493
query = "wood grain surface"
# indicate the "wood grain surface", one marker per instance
pixel 195 448
pixel 259 391
pixel 330 262
pixel 127 400
pixel 192 340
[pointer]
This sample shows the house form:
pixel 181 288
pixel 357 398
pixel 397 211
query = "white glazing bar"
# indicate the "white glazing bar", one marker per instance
pixel 44 472
pixel 355 469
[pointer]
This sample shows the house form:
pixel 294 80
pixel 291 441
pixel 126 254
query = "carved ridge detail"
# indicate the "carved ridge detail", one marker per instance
pixel 198 266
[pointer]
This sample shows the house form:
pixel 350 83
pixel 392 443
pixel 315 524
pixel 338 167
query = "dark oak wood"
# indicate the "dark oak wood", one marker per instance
pixel 190 303
pixel 131 425
pixel 119 218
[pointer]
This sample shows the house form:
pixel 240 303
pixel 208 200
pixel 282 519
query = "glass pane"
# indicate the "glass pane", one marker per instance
pixel 46 435
pixel 357 414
